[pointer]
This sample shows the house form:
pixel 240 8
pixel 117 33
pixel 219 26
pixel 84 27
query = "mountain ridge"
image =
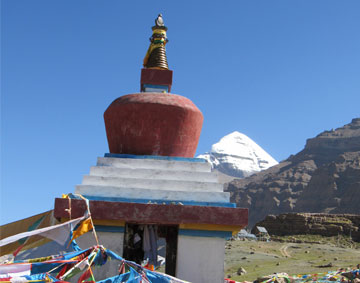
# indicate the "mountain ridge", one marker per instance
pixel 322 178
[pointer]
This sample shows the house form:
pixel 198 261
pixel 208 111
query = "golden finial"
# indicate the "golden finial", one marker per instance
pixel 156 55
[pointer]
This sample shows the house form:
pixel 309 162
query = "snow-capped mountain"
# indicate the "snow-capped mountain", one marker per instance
pixel 239 156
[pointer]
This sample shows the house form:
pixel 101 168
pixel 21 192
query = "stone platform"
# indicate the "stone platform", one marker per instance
pixel 158 190
pixel 188 180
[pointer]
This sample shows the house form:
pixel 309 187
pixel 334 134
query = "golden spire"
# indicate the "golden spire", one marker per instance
pixel 156 55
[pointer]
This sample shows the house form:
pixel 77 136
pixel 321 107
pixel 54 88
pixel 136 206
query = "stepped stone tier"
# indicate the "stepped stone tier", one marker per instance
pixel 155 180
pixel 183 188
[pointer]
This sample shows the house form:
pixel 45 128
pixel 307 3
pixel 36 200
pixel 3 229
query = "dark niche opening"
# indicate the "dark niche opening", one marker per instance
pixel 148 244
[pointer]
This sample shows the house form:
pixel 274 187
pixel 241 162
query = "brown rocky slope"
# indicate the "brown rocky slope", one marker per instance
pixel 323 178
pixel 312 223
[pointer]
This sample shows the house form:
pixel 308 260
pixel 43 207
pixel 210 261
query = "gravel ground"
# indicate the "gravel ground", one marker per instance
pixel 264 258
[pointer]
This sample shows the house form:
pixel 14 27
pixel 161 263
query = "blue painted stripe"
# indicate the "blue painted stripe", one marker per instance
pixel 112 229
pixel 155 157
pixel 164 87
pixel 205 233
pixel 159 201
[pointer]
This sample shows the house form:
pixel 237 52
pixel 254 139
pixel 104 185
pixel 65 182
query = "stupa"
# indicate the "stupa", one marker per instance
pixel 154 122
pixel 150 183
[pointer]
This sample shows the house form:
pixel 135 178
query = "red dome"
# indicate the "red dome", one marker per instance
pixel 153 124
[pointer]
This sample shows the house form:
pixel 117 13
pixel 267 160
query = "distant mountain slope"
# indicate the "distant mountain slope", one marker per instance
pixel 323 177
pixel 239 156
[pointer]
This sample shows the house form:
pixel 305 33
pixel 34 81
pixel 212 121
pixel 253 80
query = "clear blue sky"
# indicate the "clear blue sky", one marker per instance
pixel 277 71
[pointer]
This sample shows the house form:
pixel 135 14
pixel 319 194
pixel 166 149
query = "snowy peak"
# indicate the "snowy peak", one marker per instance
pixel 238 145
pixel 239 156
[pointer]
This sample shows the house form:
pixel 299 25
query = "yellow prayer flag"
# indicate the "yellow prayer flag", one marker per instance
pixel 84 227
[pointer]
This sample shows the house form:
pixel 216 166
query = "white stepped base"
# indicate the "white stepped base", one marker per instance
pixel 150 184
pixel 154 164
pixel 156 174
pixel 136 193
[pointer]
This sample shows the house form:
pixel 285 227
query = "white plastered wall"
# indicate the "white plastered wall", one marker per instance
pixel 110 240
pixel 200 259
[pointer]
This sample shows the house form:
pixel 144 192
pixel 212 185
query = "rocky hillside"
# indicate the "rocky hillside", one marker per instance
pixel 323 178
pixel 313 223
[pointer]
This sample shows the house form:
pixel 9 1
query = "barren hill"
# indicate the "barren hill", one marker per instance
pixel 324 178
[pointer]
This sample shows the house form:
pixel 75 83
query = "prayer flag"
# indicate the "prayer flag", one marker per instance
pixel 58 233
pixel 84 227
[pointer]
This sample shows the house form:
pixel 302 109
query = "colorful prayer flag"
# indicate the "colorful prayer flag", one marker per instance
pixel 84 227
